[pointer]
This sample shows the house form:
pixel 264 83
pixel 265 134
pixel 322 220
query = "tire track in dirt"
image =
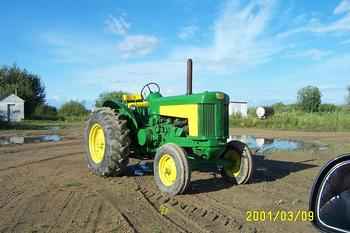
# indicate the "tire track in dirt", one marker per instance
pixel 41 160
pixel 165 215
pixel 19 216
pixel 68 219
pixel 207 219
pixel 97 218
pixel 11 197
pixel 139 213
pixel 105 214
pixel 61 208
pixel 37 146
pixel 127 220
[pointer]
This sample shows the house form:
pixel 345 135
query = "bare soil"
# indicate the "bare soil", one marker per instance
pixel 46 187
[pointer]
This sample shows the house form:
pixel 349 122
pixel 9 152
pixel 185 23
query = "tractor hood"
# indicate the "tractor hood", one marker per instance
pixel 199 98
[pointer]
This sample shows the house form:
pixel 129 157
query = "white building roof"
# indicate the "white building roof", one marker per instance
pixel 12 98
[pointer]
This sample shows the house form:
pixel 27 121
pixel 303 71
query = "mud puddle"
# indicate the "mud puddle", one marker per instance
pixel 29 139
pixel 269 145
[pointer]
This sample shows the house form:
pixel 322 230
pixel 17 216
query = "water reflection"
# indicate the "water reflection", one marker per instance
pixel 30 139
pixel 266 145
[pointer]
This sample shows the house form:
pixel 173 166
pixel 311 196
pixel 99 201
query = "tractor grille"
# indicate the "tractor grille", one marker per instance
pixel 207 119
pixel 225 120
pixel 213 120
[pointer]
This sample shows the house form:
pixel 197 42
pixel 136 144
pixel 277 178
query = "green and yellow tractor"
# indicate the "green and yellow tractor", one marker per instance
pixel 181 133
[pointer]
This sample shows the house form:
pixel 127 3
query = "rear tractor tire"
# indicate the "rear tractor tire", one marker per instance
pixel 241 168
pixel 172 172
pixel 107 143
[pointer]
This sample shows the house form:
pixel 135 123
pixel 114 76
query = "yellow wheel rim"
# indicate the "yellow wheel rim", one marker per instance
pixel 97 143
pixel 167 170
pixel 234 168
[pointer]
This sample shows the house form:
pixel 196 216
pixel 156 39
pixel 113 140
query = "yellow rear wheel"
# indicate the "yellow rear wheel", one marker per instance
pixel 107 142
pixel 97 143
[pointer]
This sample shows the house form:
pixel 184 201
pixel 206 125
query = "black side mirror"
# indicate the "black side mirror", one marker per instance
pixel 330 196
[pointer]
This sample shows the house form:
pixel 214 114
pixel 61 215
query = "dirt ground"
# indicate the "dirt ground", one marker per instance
pixel 46 187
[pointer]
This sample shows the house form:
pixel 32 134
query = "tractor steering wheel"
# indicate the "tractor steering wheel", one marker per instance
pixel 147 89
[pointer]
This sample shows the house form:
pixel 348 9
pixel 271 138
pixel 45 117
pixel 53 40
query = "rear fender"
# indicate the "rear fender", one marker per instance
pixel 122 110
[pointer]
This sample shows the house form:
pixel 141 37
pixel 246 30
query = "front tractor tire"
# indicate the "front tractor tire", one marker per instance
pixel 172 172
pixel 240 168
pixel 107 142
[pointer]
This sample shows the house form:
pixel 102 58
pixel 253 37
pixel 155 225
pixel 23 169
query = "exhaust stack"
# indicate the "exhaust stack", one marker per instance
pixel 189 76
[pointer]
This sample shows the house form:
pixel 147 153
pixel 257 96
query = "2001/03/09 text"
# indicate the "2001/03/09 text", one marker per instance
pixel 279 216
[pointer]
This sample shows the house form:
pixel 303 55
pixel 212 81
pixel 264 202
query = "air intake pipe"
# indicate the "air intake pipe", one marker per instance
pixel 189 76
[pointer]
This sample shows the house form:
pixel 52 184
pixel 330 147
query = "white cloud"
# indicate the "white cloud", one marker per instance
pixel 331 72
pixel 344 6
pixel 345 42
pixel 314 25
pixel 240 40
pixel 341 25
pixel 118 25
pixel 130 45
pixel 137 45
pixel 70 48
pixel 187 32
pixel 314 54
pixel 239 33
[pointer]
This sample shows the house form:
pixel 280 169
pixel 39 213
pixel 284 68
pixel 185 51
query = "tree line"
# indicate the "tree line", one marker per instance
pixel 309 101
pixel 30 88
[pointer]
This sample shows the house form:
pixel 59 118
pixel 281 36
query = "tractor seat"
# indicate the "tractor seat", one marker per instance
pixel 135 100
pixel 132 98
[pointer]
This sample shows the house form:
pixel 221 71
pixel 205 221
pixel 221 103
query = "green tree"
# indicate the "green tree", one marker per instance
pixel 27 85
pixel 114 96
pixel 309 99
pixel 279 107
pixel 72 109
pixel 45 112
pixel 348 96
pixel 328 108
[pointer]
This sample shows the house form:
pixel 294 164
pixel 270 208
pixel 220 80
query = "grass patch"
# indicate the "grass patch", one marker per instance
pixel 336 121
pixel 72 184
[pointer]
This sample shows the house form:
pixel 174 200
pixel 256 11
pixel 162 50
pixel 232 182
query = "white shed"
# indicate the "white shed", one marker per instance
pixel 238 107
pixel 12 108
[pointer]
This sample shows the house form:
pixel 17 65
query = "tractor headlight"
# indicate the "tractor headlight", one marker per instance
pixel 220 96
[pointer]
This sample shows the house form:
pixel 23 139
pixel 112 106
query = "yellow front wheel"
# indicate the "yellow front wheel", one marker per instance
pixel 167 170
pixel 171 169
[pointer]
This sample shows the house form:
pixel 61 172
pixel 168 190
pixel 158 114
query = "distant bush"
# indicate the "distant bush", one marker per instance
pixel 281 107
pixel 252 111
pixel 333 121
pixel 328 108
pixel 45 112
pixel 345 108
pixel 113 96
pixel 73 110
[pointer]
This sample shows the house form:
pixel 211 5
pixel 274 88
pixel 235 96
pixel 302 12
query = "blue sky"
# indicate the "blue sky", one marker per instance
pixel 259 51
